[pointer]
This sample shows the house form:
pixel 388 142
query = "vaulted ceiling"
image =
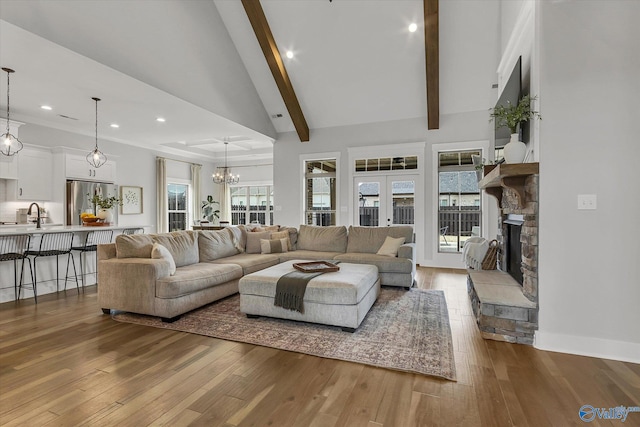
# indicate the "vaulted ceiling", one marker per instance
pixel 201 65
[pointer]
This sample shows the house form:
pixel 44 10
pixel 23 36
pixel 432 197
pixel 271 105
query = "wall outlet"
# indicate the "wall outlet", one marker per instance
pixel 587 201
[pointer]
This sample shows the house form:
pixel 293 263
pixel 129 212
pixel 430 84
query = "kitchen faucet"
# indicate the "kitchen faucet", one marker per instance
pixel 38 222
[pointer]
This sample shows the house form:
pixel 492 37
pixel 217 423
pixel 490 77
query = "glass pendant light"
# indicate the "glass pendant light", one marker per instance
pixel 9 144
pixel 96 158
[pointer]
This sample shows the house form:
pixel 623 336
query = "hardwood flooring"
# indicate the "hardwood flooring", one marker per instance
pixel 64 363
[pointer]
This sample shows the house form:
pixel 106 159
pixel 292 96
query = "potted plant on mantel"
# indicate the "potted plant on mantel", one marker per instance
pixel 512 116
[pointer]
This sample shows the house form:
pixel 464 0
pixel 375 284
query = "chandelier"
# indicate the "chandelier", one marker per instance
pixel 10 145
pixel 96 158
pixel 223 174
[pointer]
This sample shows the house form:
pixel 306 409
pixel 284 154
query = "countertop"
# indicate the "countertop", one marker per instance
pixel 7 230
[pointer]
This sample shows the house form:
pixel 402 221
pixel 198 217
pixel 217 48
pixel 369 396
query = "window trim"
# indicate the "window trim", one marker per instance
pixel 190 215
pixel 451 259
pixel 302 180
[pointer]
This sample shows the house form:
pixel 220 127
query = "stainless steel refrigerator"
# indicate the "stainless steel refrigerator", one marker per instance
pixel 80 192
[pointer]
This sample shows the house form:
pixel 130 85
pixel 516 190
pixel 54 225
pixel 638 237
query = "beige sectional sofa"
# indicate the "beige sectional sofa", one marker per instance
pixel 169 274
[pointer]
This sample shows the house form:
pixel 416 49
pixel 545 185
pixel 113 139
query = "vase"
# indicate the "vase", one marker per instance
pixel 515 150
pixel 105 214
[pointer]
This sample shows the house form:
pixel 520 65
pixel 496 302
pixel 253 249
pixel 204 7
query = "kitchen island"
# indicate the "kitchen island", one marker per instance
pixel 47 265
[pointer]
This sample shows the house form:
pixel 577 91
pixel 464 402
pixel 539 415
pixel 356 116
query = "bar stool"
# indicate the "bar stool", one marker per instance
pixel 52 244
pixel 13 248
pixel 90 244
pixel 133 230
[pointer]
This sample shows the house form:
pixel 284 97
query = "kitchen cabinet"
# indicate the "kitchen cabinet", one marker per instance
pixel 8 167
pixel 77 167
pixel 35 173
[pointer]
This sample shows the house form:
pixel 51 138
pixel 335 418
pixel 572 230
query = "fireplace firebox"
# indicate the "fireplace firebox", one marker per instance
pixel 513 247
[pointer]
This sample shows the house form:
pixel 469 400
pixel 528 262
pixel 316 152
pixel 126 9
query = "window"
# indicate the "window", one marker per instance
pixel 320 192
pixel 178 199
pixel 387 164
pixel 459 207
pixel 252 204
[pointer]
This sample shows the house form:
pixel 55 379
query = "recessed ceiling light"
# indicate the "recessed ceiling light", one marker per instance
pixel 114 125
pixel 160 119
pixel 413 27
pixel 46 107
pixel 289 54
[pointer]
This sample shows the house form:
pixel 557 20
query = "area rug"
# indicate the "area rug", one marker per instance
pixel 404 330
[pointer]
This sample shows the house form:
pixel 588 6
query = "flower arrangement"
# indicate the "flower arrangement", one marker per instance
pixel 512 115
pixel 104 202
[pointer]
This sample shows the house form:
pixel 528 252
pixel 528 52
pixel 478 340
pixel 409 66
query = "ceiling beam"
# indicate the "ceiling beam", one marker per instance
pixel 274 60
pixel 431 43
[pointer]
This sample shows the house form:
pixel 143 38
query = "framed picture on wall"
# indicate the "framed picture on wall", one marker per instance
pixel 131 200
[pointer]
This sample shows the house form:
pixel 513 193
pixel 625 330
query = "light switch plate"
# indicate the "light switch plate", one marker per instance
pixel 587 201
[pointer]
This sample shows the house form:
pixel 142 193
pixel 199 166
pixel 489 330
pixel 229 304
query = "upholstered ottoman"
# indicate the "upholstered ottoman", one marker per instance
pixel 342 298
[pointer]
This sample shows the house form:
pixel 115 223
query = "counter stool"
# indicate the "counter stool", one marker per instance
pixel 13 248
pixel 133 230
pixel 90 244
pixel 52 244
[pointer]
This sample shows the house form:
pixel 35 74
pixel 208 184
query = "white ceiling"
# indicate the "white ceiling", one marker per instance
pixel 355 63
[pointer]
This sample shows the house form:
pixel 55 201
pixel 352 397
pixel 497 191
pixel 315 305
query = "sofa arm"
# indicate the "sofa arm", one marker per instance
pixel 129 284
pixel 407 251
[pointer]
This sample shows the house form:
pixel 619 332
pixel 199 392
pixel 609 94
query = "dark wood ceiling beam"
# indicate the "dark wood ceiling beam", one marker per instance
pixel 431 43
pixel 258 20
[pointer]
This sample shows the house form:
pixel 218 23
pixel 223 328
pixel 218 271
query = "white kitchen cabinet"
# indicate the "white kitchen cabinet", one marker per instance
pixel 77 167
pixel 8 167
pixel 35 174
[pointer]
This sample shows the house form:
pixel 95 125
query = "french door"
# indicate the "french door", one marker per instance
pixel 384 200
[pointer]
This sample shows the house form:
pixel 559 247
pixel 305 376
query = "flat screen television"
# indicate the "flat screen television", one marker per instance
pixel 512 93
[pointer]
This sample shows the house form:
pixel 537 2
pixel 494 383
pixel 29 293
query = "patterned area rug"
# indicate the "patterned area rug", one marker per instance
pixel 404 330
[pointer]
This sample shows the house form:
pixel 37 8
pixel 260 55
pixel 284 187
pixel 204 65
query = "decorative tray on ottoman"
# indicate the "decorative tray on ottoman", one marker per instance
pixel 316 267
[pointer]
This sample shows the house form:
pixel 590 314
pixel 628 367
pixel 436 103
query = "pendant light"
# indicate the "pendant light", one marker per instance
pixel 96 158
pixel 223 175
pixel 9 144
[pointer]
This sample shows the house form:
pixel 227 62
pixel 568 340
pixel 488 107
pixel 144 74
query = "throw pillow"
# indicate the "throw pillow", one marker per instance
pixel 282 235
pixel 275 246
pixel 253 241
pixel 160 252
pixel 390 246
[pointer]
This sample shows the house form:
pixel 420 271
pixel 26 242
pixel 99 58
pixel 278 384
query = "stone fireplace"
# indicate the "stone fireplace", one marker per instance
pixel 505 301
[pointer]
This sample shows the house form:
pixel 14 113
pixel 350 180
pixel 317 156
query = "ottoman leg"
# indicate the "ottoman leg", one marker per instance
pixel 352 330
pixel 252 316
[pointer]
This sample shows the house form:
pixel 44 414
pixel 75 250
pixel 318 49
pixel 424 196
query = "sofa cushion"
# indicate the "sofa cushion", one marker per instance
pixel 160 252
pixel 274 246
pixel 384 263
pixel 240 237
pixel 195 277
pixel 325 239
pixel 250 262
pixel 390 246
pixel 216 244
pixel 133 246
pixel 293 236
pixel 183 246
pixel 253 241
pixel 370 239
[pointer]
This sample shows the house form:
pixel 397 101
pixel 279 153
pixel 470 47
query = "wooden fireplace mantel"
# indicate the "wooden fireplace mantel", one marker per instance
pixel 507 175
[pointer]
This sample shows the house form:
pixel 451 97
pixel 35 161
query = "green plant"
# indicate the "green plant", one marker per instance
pixel 104 202
pixel 208 210
pixel 512 115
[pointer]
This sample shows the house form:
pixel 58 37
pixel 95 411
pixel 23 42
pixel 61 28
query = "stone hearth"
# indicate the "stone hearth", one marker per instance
pixel 506 310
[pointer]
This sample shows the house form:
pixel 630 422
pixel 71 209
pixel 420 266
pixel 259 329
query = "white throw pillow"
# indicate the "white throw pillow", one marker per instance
pixel 160 252
pixel 390 246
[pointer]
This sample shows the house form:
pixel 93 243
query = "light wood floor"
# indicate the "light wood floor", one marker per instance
pixel 64 363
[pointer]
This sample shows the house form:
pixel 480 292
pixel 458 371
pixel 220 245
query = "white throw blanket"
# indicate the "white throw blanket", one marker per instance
pixel 473 252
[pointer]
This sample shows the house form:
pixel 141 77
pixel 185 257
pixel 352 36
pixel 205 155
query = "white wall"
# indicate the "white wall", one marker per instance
pixel 589 279
pixel 288 149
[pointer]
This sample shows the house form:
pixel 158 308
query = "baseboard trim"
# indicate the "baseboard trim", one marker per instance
pixel 588 346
